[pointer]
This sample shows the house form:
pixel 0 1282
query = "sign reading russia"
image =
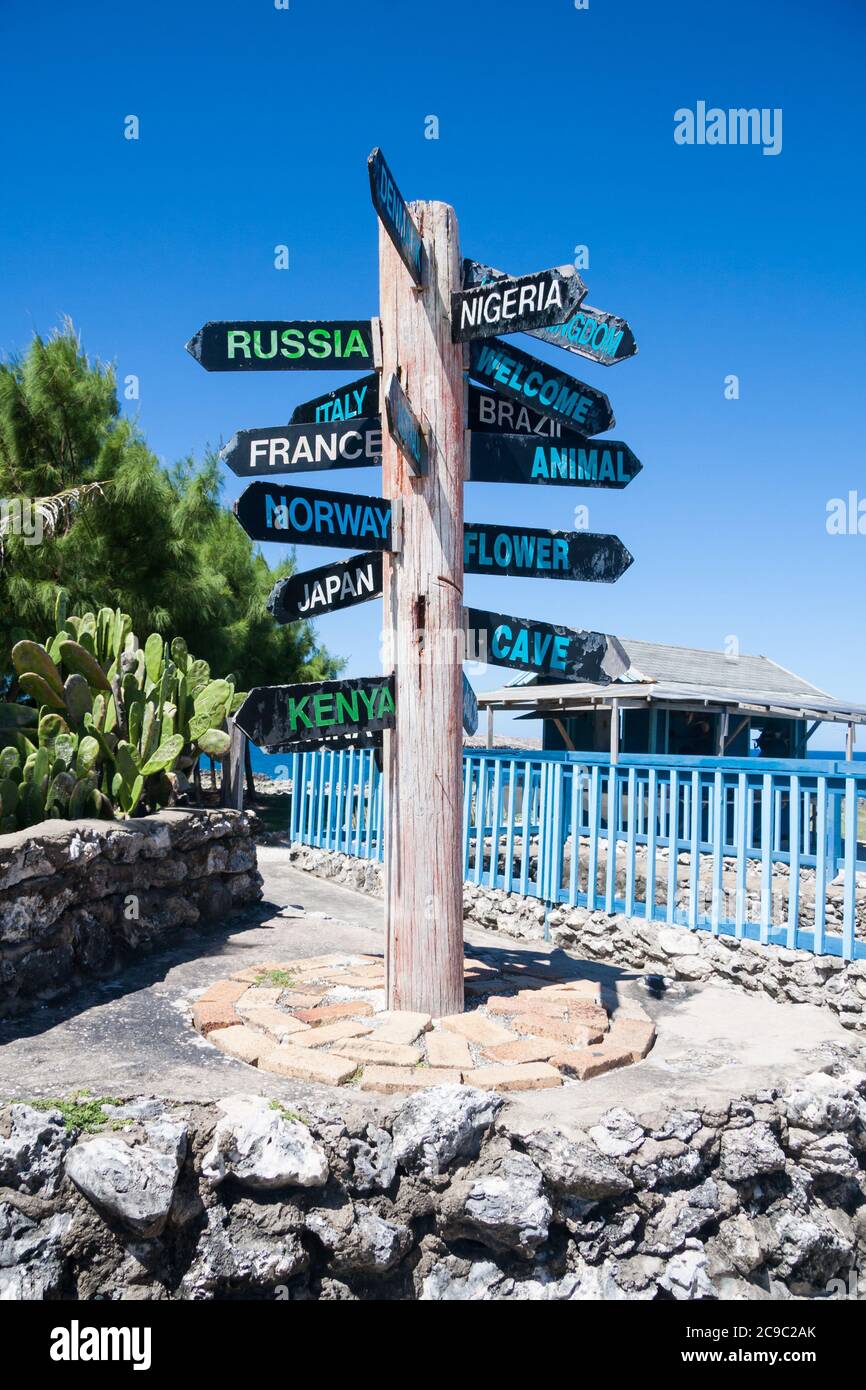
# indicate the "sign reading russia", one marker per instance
pixel 396 217
pixel 304 516
pixel 535 383
pixel 516 305
pixel 281 346
pixel 282 717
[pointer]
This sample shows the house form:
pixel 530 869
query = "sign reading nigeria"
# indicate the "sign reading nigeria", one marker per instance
pixel 570 460
pixel 283 346
pixel 544 647
pixel 470 708
pixel 304 448
pixel 306 516
pixel 507 305
pixel 324 590
pixel 358 400
pixel 285 717
pixel 530 553
pixel 396 217
pixel 405 429
pixel 531 382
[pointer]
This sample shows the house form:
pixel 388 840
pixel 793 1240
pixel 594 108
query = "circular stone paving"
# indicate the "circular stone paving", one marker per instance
pixel 323 1018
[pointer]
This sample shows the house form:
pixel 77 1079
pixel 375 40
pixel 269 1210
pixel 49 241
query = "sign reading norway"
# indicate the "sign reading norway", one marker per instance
pixel 304 448
pixel 507 305
pixel 358 400
pixel 280 346
pixel 306 516
pixel 531 382
pixel 324 590
pixel 287 717
pixel 571 461
pixel 543 647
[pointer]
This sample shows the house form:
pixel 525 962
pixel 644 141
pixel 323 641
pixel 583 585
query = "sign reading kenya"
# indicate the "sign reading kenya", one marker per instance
pixel 508 305
pixel 358 400
pixel 324 590
pixel 396 217
pixel 544 647
pixel 280 346
pixel 306 516
pixel 531 382
pixel 304 448
pixel 572 461
pixel 282 717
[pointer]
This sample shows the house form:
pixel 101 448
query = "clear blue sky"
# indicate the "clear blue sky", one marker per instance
pixel 556 129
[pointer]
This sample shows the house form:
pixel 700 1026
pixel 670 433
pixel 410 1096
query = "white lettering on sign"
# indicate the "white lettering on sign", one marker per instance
pixel 496 305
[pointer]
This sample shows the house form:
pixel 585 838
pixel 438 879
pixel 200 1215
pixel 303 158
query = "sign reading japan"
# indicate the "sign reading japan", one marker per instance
pixel 405 429
pixel 306 516
pixel 282 717
pixel 283 346
pixel 358 400
pixel 572 460
pixel 304 448
pixel 530 553
pixel 589 332
pixel 507 305
pixel 395 216
pixel 324 590
pixel 532 382
pixel 544 647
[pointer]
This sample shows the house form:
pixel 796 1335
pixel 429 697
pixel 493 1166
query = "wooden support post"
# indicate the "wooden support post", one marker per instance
pixel 849 744
pixel 233 769
pixel 423 630
pixel 489 726
pixel 614 732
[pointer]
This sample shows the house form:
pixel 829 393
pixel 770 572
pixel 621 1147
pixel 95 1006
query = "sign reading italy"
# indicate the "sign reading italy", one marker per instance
pixel 324 590
pixel 396 217
pixel 283 717
pixel 571 460
pixel 544 647
pixel 506 305
pixel 358 400
pixel 304 448
pixel 305 516
pixel 281 346
pixel 531 553
pixel 531 382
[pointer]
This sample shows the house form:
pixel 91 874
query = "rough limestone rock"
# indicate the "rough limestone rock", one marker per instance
pixel 30 1255
pixel 233 1257
pixel 577 1170
pixel 436 1127
pixel 505 1209
pixel 261 1148
pixel 132 1182
pixel 373 1165
pixel 617 1134
pixel 825 1103
pixel 360 1242
pixel 685 1276
pixel 32 1145
pixel 750 1153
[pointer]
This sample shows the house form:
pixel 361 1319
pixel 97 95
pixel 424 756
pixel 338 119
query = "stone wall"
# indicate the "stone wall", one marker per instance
pixel 437 1198
pixel 77 897
pixel 673 953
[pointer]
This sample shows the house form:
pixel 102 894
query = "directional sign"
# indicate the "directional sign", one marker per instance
pixel 280 717
pixel 405 429
pixel 327 588
pixel 591 333
pixel 338 744
pixel 530 553
pixel 304 516
pixel 535 383
pixel 304 448
pixel 490 413
pixel 506 305
pixel 543 647
pixel 470 708
pixel 279 346
pixel 358 400
pixel 395 215
pixel 570 460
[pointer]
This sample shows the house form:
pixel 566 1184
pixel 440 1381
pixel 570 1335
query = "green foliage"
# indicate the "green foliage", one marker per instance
pixel 84 1112
pixel 277 979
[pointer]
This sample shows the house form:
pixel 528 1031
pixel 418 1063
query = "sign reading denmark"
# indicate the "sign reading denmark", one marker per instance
pixel 280 346
pixel 285 717
pixel 306 516
pixel 545 648
pixel 534 383
pixel 396 217
pixel 530 553
pixel 405 429
pixel 356 401
pixel 304 448
pixel 570 460
pixel 327 588
pixel 506 305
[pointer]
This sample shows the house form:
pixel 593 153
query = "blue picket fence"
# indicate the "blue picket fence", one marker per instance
pixel 759 848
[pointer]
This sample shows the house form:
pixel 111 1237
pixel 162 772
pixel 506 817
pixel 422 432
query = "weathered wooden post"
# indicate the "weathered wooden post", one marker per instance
pixel 423 620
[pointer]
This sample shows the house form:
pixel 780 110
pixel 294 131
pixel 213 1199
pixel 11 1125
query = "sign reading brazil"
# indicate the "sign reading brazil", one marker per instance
pixel 304 448
pixel 324 590
pixel 589 332
pixel 570 460
pixel 531 553
pixel 358 400
pixel 492 413
pixel 531 382
pixel 302 345
pixel 544 647
pixel 283 717
pixel 507 305
pixel 396 217
pixel 307 516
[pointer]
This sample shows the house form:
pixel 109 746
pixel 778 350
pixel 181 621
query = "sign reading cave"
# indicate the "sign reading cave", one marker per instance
pixel 306 516
pixel 545 648
pixel 531 382
pixel 531 553
pixel 396 217
pixel 358 400
pixel 280 346
pixel 327 588
pixel 304 448
pixel 571 460
pixel 506 305
pixel 285 717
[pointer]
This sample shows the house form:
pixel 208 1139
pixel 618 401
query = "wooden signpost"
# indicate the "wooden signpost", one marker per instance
pixel 304 448
pixel 571 461
pixel 537 384
pixel 549 650
pixel 358 400
pixel 284 346
pixel 506 305
pixel 285 717
pixel 307 516
pixel 531 553
pixel 405 429
pixel 328 588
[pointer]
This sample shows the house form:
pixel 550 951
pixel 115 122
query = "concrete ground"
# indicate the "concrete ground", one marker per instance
pixel 131 1035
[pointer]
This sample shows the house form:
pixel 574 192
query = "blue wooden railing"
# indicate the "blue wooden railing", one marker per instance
pixel 764 849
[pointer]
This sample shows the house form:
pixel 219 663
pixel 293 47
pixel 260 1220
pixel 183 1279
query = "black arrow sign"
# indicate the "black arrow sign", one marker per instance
pixel 470 708
pixel 306 516
pixel 405 429
pixel 531 553
pixel 395 215
pixel 571 460
pixel 591 333
pixel 283 346
pixel 543 647
pixel 490 413
pixel 338 744
pixel 304 448
pixel 281 717
pixel 327 588
pixel 358 400
pixel 535 383
pixel 515 305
